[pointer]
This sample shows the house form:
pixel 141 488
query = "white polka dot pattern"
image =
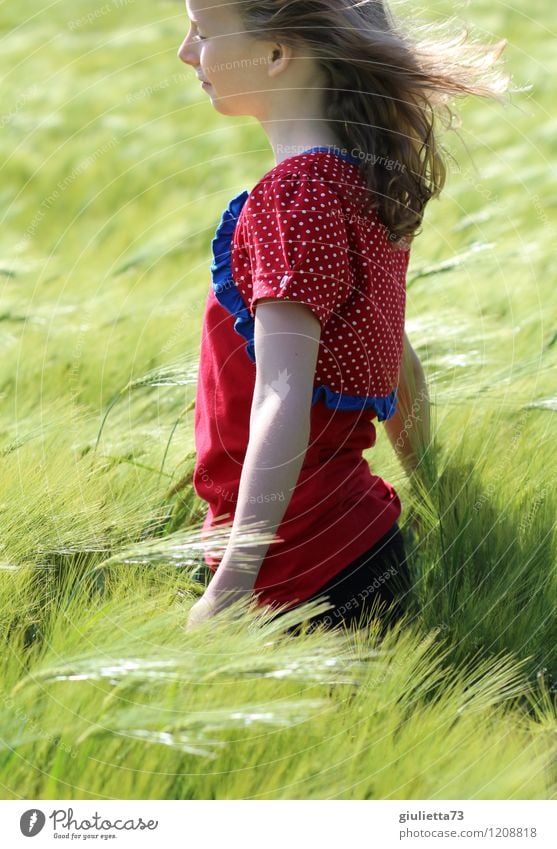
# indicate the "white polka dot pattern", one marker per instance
pixel 302 236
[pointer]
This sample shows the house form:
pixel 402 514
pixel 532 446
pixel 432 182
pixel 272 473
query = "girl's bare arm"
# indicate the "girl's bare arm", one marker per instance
pixel 286 340
pixel 409 428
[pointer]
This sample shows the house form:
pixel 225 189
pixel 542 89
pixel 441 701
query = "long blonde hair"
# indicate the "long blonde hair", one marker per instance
pixel 386 91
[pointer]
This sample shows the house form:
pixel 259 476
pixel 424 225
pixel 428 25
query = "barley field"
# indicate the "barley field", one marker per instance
pixel 114 172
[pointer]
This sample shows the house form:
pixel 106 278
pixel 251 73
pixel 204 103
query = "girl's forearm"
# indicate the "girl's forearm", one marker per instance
pixel 409 430
pixel 279 436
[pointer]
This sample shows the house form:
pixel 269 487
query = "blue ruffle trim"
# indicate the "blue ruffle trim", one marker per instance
pixel 385 407
pixel 331 149
pixel 230 298
pixel 224 287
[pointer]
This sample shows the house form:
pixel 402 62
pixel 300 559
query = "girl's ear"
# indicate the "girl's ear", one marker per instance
pixel 280 56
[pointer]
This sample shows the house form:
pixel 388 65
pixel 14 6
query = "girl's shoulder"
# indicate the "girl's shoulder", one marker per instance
pixel 318 167
pixel 319 181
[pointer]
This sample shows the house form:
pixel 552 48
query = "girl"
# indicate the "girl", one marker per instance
pixel 303 341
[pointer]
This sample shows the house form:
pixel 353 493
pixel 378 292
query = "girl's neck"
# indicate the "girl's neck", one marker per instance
pixel 289 138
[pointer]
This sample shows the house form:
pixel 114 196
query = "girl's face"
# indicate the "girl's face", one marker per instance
pixel 232 65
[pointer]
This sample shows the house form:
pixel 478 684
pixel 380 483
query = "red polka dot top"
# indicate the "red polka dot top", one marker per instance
pixel 301 234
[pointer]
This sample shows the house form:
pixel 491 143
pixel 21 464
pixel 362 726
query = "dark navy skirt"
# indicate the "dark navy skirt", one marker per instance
pixel 375 585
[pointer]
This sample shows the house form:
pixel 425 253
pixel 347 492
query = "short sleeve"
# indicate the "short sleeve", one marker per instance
pixel 298 245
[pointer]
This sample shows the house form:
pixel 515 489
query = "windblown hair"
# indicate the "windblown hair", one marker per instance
pixel 386 91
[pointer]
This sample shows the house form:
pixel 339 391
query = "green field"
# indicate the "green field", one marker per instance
pixel 114 172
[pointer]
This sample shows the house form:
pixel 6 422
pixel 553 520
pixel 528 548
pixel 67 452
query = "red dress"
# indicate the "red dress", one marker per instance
pixel 300 234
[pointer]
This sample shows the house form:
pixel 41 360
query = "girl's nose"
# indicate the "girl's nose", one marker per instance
pixel 187 52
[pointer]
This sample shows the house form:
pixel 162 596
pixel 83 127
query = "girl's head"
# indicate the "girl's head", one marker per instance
pixel 379 89
pixel 247 70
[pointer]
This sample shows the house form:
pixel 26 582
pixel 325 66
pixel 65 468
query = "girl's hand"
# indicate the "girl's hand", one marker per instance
pixel 208 605
pixel 203 609
pixel 231 583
